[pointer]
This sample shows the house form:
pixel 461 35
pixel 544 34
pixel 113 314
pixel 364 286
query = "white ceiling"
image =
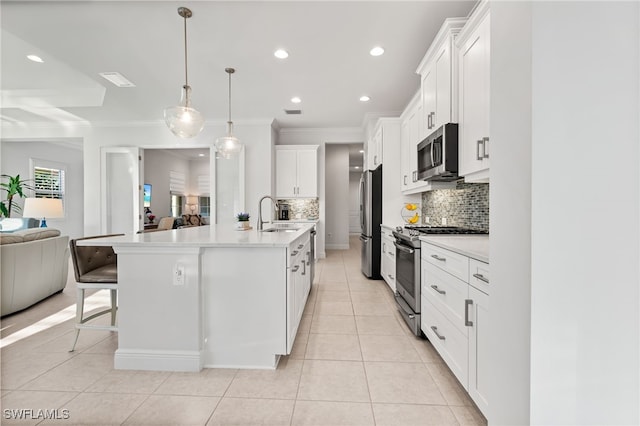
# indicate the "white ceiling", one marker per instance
pixel 329 66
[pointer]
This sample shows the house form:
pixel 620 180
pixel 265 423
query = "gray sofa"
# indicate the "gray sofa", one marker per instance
pixel 35 264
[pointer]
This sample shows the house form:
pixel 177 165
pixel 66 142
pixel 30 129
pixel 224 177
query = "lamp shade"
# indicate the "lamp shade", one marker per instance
pixel 42 208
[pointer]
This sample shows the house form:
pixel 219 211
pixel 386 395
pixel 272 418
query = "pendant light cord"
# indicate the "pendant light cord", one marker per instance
pixel 229 97
pixel 186 78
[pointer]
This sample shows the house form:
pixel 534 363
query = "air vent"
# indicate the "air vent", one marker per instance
pixel 293 111
pixel 117 79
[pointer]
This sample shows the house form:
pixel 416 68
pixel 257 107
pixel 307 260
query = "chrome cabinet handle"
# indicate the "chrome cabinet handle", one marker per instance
pixel 435 330
pixel 404 180
pixel 308 258
pixel 435 287
pixel 384 245
pixel 304 268
pixel 467 303
pixel 295 268
pixel 481 278
pixel 433 121
pixel 391 276
pixel 428 121
pixel 413 175
pixel 391 253
pixel 485 140
pixel 293 253
pixel 436 257
pixel 300 246
pixel 478 145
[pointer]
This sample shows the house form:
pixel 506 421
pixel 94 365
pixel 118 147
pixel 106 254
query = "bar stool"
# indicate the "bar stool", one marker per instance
pixel 95 268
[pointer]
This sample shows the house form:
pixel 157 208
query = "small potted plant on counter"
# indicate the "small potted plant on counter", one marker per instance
pixel 243 221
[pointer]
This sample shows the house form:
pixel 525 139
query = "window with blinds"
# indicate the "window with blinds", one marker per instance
pixel 48 182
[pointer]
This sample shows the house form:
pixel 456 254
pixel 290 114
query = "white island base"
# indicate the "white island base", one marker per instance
pixel 196 298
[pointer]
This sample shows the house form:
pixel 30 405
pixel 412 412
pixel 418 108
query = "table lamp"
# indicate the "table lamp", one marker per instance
pixel 44 208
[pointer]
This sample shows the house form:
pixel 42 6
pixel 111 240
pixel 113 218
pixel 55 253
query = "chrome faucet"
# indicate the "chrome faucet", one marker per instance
pixel 275 206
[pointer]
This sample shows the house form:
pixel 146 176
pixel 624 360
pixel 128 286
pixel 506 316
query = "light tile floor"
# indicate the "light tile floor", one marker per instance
pixel 354 362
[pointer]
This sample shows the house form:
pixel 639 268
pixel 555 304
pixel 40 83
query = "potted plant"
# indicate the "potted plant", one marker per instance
pixel 14 186
pixel 243 220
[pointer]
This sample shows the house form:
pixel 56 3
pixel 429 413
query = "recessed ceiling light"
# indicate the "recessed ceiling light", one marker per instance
pixel 201 155
pixel 357 167
pixel 362 151
pixel 364 98
pixel 281 54
pixel 376 51
pixel 117 79
pixel 296 100
pixel 35 58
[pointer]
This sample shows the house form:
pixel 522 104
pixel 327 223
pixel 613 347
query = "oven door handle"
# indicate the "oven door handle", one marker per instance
pixel 403 248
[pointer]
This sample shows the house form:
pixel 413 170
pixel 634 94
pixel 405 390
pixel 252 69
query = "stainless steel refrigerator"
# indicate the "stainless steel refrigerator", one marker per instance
pixel 370 219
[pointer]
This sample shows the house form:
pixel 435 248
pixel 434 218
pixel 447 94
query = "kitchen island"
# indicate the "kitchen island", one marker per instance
pixel 209 296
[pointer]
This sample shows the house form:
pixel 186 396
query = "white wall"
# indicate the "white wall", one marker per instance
pixel 354 202
pixel 157 164
pixel 571 73
pixel 255 135
pixel 15 160
pixel 337 196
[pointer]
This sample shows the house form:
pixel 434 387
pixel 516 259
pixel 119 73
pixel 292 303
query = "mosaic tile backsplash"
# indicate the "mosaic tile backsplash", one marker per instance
pixel 466 206
pixel 307 208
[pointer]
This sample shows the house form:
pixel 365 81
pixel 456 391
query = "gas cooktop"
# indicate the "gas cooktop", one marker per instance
pixel 417 229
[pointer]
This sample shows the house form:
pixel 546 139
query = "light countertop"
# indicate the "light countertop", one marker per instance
pixel 206 236
pixel 473 246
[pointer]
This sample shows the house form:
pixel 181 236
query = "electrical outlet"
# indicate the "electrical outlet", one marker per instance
pixel 426 219
pixel 444 221
pixel 178 274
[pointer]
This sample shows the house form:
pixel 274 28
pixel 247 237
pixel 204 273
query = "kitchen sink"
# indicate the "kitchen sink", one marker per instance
pixel 280 230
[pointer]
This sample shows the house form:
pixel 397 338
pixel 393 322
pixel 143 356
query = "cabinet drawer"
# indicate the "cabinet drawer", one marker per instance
pixel 447 293
pixel 454 263
pixel 479 275
pixel 452 345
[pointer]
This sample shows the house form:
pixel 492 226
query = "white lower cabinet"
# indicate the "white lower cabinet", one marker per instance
pixel 388 257
pixel 298 285
pixel 455 308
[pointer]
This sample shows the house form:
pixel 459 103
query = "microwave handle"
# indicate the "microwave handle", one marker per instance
pixel 431 154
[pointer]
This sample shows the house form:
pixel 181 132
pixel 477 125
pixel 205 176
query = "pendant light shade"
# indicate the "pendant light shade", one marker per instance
pixel 227 146
pixel 184 120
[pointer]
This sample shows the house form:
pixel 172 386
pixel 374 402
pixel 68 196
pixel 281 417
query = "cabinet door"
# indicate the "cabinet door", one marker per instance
pixel 429 99
pixel 377 146
pixel 405 165
pixel 286 170
pixel 443 88
pixel 474 101
pixel 307 176
pixel 478 349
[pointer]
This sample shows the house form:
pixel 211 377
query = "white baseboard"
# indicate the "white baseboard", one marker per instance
pixel 337 246
pixel 131 359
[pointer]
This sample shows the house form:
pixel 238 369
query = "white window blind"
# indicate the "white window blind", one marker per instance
pixel 203 184
pixel 48 182
pixel 176 182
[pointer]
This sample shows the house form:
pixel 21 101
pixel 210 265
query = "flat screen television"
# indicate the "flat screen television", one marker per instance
pixel 147 195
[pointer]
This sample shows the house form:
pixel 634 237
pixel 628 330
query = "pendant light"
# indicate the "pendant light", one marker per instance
pixel 183 120
pixel 228 145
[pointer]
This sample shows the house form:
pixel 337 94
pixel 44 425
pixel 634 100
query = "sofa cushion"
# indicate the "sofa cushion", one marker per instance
pixel 10 239
pixel 33 234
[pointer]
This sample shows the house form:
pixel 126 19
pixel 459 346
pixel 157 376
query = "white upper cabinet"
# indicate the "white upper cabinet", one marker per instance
pixel 296 171
pixel 374 148
pixel 474 54
pixel 438 71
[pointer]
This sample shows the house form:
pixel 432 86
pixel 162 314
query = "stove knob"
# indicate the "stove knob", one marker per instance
pixel 399 229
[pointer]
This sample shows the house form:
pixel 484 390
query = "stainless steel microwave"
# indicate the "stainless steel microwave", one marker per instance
pixel 438 154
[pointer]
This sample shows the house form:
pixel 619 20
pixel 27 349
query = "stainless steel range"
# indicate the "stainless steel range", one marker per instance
pixel 408 268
